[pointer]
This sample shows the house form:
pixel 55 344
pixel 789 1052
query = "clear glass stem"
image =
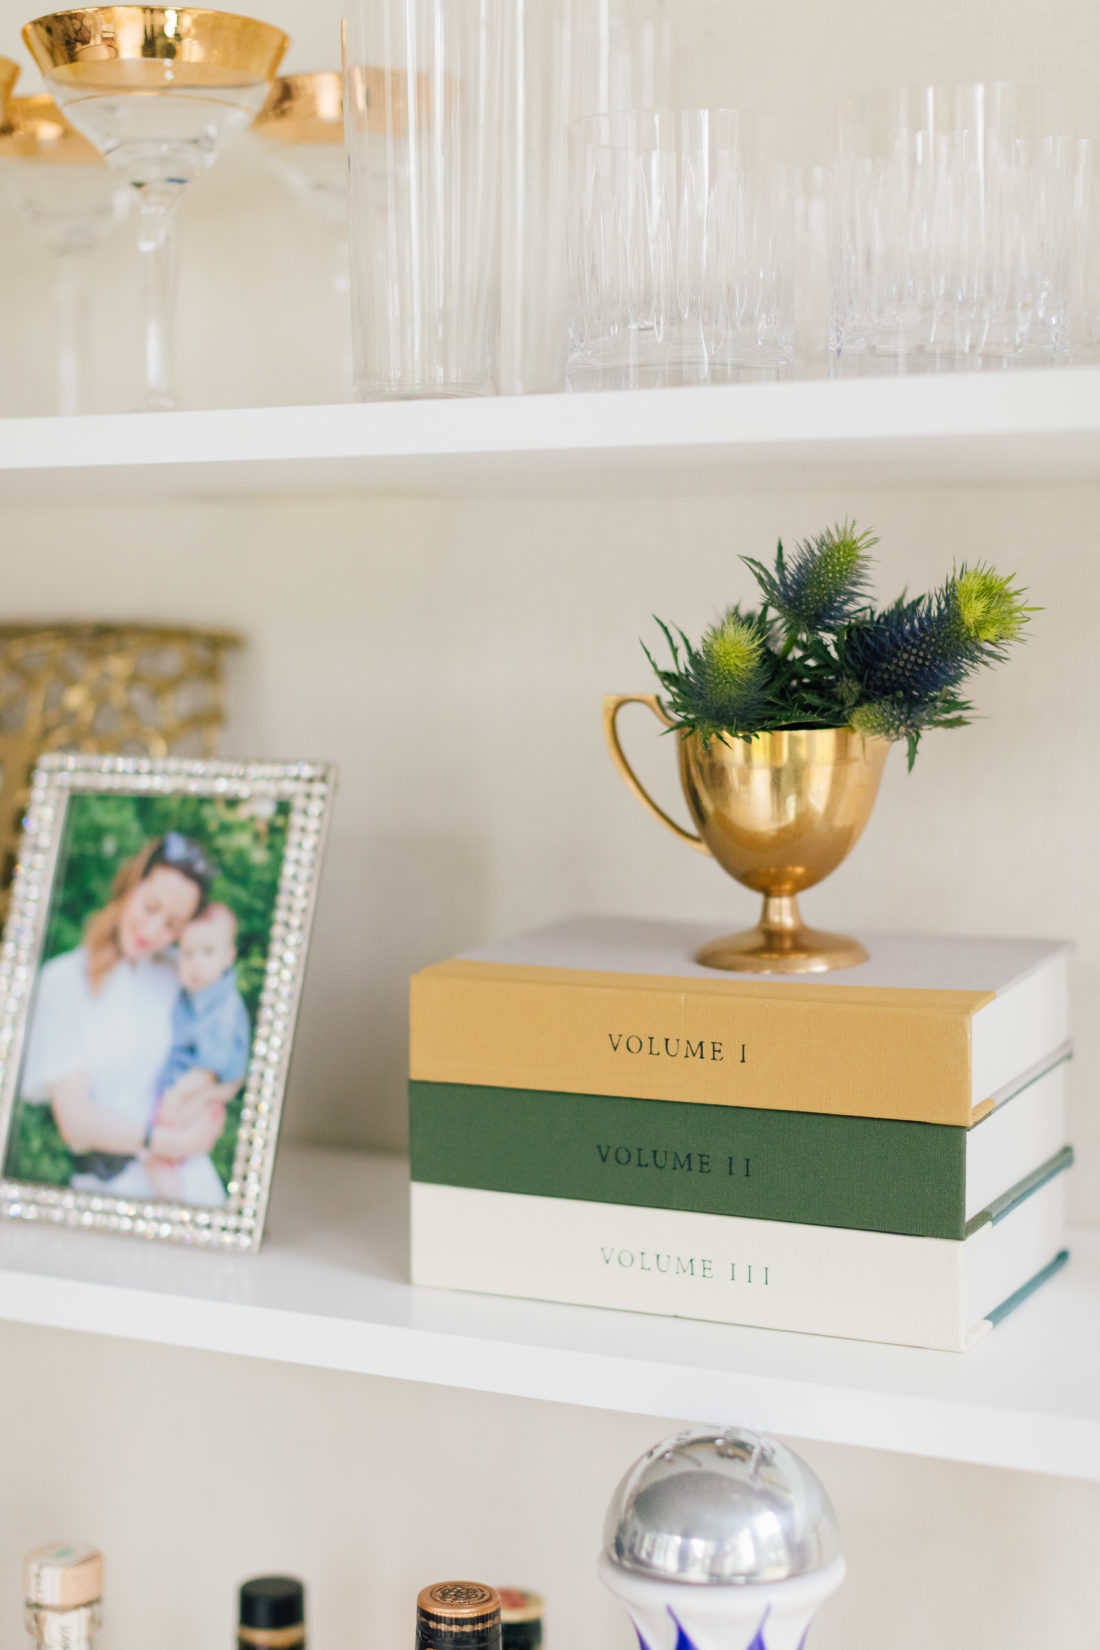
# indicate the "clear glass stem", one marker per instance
pixel 68 303
pixel 157 242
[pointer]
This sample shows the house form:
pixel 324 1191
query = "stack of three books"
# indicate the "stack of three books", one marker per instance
pixel 878 1153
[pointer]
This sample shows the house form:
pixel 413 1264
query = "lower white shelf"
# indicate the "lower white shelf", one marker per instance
pixel 331 1290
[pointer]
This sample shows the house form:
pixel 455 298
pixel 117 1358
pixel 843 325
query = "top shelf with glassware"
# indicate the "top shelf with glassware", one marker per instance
pixel 1040 425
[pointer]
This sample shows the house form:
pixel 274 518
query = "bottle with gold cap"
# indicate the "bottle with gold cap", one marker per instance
pixel 63 1595
pixel 458 1615
pixel 520 1619
pixel 272 1614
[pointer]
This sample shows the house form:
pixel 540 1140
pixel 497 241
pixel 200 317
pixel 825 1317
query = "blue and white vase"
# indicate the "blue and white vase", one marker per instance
pixel 721 1539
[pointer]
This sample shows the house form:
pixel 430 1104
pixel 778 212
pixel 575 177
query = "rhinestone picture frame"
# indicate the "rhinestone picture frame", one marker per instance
pixel 307 788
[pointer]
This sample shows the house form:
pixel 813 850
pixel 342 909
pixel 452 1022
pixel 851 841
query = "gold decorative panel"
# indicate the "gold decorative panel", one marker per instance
pixel 102 689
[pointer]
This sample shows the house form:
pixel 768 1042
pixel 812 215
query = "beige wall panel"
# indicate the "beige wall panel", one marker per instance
pixel 193 1471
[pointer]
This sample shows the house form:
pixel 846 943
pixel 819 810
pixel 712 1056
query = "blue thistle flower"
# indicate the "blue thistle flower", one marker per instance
pixel 823 584
pixel 916 649
pixel 923 647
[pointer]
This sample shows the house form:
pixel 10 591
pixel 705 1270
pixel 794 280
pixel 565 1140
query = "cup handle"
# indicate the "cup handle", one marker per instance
pixel 612 705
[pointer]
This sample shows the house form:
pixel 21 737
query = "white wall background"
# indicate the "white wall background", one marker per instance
pixel 450 656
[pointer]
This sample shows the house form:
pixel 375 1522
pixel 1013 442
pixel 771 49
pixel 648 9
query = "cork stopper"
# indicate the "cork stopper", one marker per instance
pixel 458 1613
pixel 63 1576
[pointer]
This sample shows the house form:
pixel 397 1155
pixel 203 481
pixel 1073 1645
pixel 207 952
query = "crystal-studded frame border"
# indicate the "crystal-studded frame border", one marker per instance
pixel 308 788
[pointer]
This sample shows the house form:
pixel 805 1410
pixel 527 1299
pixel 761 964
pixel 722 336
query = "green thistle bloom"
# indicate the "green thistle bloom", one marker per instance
pixel 991 611
pixel 823 584
pixel 721 686
pixel 730 665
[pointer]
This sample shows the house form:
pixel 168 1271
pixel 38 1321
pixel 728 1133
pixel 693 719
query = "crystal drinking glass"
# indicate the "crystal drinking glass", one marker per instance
pixel 72 201
pixel 563 59
pixel 159 91
pixel 680 249
pixel 950 220
pixel 422 107
pixel 300 130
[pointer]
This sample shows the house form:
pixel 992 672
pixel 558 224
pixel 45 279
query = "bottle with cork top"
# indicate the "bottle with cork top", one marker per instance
pixel 458 1615
pixel 272 1614
pixel 63 1595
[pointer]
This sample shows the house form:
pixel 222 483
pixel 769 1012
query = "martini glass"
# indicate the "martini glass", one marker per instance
pixel 301 133
pixel 158 91
pixel 72 200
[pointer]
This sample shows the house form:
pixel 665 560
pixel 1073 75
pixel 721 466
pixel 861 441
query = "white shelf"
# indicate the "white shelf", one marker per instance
pixel 1035 425
pixel 330 1290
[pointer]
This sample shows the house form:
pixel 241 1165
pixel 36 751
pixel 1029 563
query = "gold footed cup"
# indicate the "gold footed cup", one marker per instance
pixel 778 813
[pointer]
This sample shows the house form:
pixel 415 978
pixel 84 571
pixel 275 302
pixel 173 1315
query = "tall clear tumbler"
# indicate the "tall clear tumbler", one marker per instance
pixel 680 249
pixel 950 218
pixel 562 59
pixel 422 111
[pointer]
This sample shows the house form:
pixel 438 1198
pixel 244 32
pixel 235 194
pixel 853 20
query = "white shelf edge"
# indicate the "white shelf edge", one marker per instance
pixel 1021 425
pixel 329 1292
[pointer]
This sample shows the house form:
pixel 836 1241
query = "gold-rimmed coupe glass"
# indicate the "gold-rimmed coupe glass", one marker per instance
pixel 300 130
pixel 9 74
pixel 72 201
pixel 158 90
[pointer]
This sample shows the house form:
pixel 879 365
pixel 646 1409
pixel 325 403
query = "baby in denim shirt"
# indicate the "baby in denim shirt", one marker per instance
pixel 211 1035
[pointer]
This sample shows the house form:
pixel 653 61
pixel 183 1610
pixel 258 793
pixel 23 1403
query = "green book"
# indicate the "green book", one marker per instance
pixel 871 1174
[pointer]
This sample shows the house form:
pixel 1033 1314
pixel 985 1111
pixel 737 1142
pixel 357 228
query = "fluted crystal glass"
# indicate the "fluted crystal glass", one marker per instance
pixel 680 249
pixel 950 212
pixel 563 59
pixel 422 111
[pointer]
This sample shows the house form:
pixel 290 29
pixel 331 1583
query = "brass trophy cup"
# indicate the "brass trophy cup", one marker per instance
pixel 778 812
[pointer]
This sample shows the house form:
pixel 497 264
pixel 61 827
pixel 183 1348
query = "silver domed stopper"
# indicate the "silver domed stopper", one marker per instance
pixel 721 1506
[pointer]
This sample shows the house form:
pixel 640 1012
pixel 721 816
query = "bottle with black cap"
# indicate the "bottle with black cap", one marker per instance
pixel 458 1615
pixel 272 1614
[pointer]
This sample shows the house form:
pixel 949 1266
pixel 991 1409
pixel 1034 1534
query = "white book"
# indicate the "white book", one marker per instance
pixel 824 1280
pixel 1025 1130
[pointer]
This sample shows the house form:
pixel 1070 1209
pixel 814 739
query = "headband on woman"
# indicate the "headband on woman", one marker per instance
pixel 181 854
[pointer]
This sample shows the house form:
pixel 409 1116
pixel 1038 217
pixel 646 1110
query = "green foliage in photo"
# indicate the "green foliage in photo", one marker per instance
pixel 101 833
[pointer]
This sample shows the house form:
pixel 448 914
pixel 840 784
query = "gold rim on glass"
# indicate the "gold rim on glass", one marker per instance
pixel 9 74
pixel 35 129
pixel 141 47
pixel 303 108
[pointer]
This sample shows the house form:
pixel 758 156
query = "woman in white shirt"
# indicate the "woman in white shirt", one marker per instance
pixel 100 1030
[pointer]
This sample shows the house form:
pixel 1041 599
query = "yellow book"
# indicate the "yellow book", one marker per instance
pixel 932 1029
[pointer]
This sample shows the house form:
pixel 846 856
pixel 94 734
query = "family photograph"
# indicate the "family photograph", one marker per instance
pixel 145 1000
